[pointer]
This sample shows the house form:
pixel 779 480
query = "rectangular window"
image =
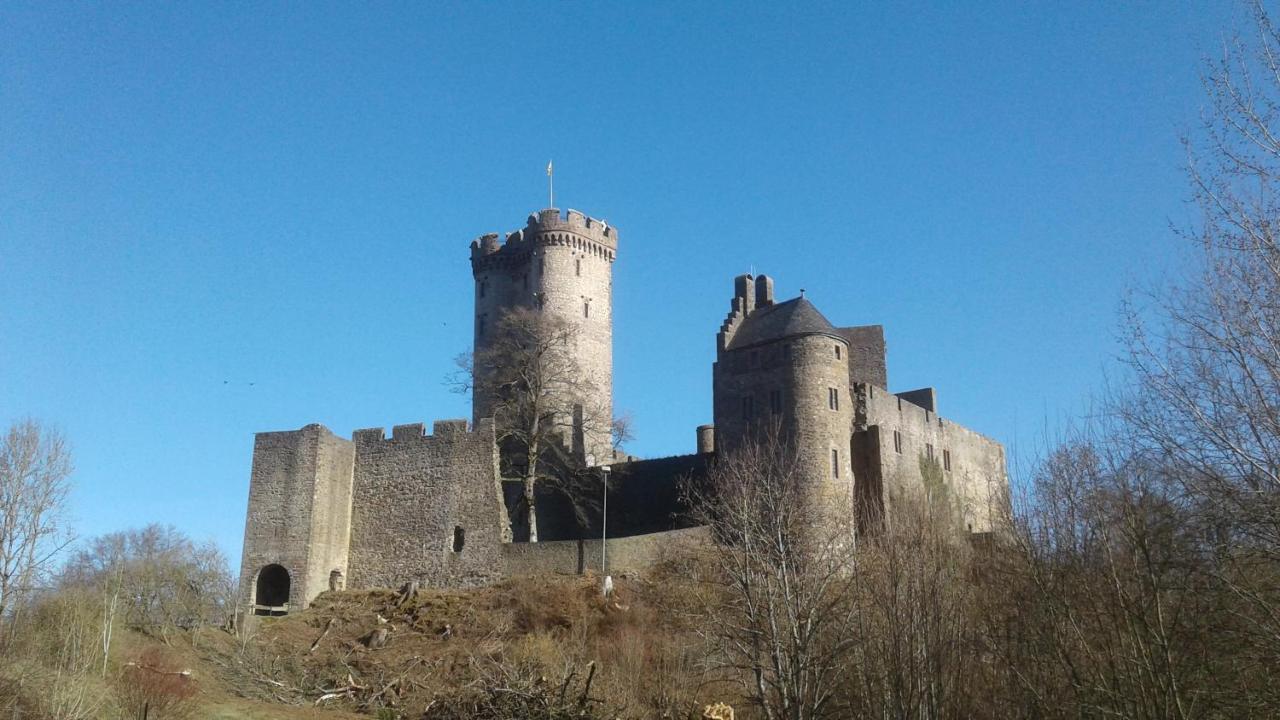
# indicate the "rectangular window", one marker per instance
pixel 835 463
pixel 833 398
pixel 837 352
pixel 746 408
pixel 897 442
pixel 775 401
pixel 946 460
pixel 928 450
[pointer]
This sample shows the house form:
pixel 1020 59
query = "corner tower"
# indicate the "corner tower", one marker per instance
pixel 561 265
pixel 783 363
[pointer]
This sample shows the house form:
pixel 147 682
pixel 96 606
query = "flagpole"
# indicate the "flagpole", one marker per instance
pixel 551 186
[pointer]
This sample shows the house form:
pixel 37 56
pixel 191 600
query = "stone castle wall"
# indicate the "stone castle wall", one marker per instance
pixel 633 554
pixel 299 514
pixel 413 493
pixel 867 354
pixel 970 465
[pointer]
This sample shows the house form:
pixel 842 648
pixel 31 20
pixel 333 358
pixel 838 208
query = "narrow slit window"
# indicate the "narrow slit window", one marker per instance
pixel 833 398
pixel 897 442
pixel 837 352
pixel 775 401
pixel 484 286
pixel 946 460
pixel 526 281
pixel 928 450
pixel 577 267
pixel 586 309
pixel 480 324
pixel 746 408
pixel 459 538
pixel 835 463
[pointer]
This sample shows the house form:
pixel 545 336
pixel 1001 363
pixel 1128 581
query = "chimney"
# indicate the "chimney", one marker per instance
pixel 764 291
pixel 742 291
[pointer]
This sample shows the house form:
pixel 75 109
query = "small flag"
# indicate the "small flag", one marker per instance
pixel 548 168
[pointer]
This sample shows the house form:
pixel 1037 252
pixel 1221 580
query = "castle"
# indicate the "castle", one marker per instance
pixel 376 511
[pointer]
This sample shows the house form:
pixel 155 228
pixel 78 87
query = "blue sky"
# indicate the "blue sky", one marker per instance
pixel 220 219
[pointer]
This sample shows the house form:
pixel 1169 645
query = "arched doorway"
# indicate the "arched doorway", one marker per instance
pixel 271 591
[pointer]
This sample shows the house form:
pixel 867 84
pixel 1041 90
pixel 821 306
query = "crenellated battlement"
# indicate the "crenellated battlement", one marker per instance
pixel 550 221
pixel 548 227
pixel 411 432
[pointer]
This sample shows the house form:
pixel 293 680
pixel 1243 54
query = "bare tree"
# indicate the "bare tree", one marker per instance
pixel 917 655
pixel 158 578
pixel 621 432
pixel 1207 355
pixel 541 401
pixel 1110 611
pixel 784 614
pixel 35 466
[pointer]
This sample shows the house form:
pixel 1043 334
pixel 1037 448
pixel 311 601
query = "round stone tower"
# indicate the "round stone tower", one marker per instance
pixel 563 266
pixel 784 363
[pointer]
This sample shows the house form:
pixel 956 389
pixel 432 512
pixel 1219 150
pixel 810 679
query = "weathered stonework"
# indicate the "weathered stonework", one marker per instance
pixel 419 496
pixel 374 511
pixel 928 449
pixel 864 447
pixel 564 267
pixel 299 512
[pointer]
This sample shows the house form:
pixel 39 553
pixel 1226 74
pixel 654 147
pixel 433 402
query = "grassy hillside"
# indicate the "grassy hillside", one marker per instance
pixel 533 647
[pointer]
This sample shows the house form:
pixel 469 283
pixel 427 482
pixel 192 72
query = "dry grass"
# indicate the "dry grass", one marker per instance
pixel 450 649
pixel 546 647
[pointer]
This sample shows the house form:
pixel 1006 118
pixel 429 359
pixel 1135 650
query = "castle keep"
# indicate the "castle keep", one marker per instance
pixel 562 267
pixel 374 511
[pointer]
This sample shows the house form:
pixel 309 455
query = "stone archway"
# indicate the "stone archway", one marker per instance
pixel 271 590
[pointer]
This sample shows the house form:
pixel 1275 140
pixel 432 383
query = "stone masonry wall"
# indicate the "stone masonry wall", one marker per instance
pixel 633 554
pixel 299 510
pixel 867 361
pixel 563 265
pixel 971 465
pixel 412 491
pixel 823 431
pixel 796 376
pixel 331 511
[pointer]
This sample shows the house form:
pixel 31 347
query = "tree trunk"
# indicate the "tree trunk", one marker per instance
pixel 530 510
pixel 530 476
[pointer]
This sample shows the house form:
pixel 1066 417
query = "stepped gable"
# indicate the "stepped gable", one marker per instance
pixel 788 319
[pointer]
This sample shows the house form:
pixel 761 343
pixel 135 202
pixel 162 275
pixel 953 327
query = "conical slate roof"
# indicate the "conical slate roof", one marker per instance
pixel 787 319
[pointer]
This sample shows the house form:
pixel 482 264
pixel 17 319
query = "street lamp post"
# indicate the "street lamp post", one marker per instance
pixel 604 524
pixel 604 521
